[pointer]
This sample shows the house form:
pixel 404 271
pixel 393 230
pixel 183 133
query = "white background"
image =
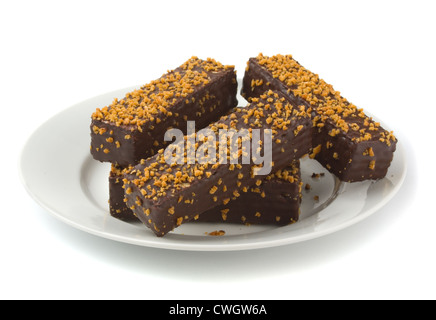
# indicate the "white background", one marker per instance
pixel 379 54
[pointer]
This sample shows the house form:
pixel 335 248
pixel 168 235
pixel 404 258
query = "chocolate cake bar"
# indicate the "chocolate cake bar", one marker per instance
pixel 347 142
pixel 133 128
pixel 276 201
pixel 117 207
pixel 164 196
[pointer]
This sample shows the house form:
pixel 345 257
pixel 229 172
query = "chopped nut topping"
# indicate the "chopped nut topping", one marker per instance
pixel 179 221
pixel 159 178
pixel 328 103
pixel 217 233
pixel 151 102
pixel 315 151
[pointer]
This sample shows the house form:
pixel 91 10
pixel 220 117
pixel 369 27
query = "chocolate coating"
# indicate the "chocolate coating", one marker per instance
pixel 363 151
pixel 164 196
pixel 126 144
pixel 117 207
pixel 275 202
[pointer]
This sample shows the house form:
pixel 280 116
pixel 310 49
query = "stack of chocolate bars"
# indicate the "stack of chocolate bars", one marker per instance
pixel 298 111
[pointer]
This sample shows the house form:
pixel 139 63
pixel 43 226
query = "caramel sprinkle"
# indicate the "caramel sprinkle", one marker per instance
pixel 224 214
pixel 179 221
pixel 216 233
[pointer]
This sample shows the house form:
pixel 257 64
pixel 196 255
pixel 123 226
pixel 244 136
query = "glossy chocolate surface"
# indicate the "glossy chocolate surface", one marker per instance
pixel 160 198
pixel 344 154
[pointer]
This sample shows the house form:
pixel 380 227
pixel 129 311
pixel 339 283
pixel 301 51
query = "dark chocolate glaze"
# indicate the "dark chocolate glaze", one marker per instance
pixel 218 97
pixel 275 202
pixel 117 206
pixel 181 204
pixel 347 159
pixel 351 163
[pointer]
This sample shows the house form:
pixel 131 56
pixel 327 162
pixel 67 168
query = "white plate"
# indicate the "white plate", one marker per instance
pixel 60 174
